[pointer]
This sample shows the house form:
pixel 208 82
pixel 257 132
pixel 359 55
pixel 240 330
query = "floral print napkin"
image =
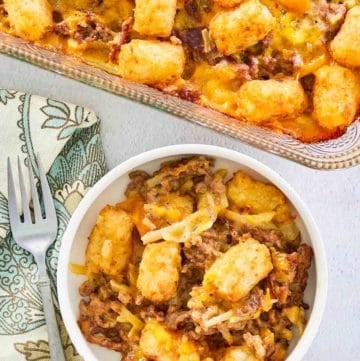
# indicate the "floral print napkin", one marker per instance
pixel 66 138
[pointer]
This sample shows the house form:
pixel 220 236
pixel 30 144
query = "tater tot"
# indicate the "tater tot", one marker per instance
pixel 296 5
pixel 30 19
pixel 159 344
pixel 228 3
pixel 154 17
pixel 256 197
pixel 159 271
pixel 238 353
pixel 236 29
pixel 110 243
pixel 345 47
pixel 336 96
pixel 151 61
pixel 238 270
pixel 261 101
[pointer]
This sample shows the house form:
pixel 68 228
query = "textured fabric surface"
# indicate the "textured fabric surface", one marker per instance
pixel 66 137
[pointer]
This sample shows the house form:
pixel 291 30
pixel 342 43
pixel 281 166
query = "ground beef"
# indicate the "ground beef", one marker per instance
pixel 120 39
pixel 192 37
pixel 62 29
pixel 172 175
pixel 188 94
pixel 201 251
pixel 291 292
pixel 303 257
pixel 243 73
pixel 333 16
pixel 179 320
pixel 270 237
pixel 86 288
pixel 260 47
pixel 92 31
pixel 284 63
pixel 153 312
pixel 99 336
pixel 137 180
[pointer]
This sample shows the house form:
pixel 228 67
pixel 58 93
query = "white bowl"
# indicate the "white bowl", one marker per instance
pixel 110 189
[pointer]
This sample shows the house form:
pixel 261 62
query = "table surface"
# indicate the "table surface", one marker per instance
pixel 333 197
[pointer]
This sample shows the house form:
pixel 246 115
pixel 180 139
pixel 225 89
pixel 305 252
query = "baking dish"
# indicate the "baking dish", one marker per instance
pixel 337 153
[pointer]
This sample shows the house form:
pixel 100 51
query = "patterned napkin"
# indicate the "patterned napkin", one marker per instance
pixel 66 138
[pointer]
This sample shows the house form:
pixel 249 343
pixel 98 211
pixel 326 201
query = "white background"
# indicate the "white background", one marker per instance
pixel 129 128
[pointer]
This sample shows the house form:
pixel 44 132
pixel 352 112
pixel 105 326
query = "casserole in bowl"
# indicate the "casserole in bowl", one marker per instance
pixel 109 191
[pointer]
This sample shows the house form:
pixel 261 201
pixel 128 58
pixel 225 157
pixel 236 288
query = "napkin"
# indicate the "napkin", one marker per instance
pixel 67 139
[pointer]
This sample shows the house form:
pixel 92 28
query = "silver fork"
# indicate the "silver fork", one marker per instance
pixel 36 237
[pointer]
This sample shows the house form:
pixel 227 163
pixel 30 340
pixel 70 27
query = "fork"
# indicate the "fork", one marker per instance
pixel 36 237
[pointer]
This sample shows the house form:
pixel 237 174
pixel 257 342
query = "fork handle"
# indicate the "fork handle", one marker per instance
pixel 55 345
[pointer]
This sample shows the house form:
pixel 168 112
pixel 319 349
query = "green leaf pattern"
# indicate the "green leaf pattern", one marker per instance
pixel 80 163
pixel 59 117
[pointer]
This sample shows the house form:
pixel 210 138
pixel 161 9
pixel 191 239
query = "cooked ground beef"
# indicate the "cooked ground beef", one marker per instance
pixel 291 292
pixel 270 237
pixel 278 63
pixel 120 39
pixel 303 257
pixel 137 180
pixel 62 29
pixel 92 31
pixel 333 15
pixel 201 251
pixel 191 95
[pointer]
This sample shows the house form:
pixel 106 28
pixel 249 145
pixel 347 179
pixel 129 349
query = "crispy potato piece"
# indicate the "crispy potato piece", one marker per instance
pixel 257 197
pixel 237 29
pixel 237 271
pixel 159 344
pixel 238 353
pixel 296 5
pixel 345 47
pixel 336 96
pixel 261 101
pixel 151 61
pixel 110 244
pixel 228 3
pixel 30 19
pixel 159 271
pixel 154 17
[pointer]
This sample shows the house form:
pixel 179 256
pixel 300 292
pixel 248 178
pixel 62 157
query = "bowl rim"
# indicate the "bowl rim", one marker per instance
pixel 321 272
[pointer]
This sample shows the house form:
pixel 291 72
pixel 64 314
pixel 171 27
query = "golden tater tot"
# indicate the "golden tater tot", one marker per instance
pixel 30 19
pixel 336 96
pixel 296 5
pixel 237 29
pixel 257 197
pixel 110 244
pixel 261 101
pixel 238 353
pixel 154 17
pixel 159 271
pixel 151 61
pixel 238 270
pixel 159 344
pixel 345 47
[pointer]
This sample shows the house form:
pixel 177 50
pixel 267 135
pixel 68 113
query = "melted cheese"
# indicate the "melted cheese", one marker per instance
pixel 298 29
